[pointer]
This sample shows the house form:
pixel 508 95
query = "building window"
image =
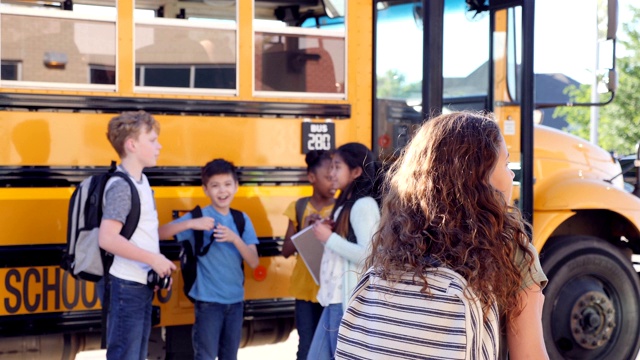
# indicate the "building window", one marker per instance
pixel 10 70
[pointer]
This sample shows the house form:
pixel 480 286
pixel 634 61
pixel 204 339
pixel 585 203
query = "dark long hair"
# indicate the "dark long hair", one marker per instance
pixel 368 184
pixel 439 205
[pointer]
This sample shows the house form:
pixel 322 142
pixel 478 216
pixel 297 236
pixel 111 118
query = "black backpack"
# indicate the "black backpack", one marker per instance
pixel 301 206
pixel 189 255
pixel 83 257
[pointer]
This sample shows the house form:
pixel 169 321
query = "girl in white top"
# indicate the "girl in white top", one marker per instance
pixel 346 238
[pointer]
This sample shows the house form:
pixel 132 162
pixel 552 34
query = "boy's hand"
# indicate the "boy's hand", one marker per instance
pixel 203 223
pixel 223 234
pixel 163 266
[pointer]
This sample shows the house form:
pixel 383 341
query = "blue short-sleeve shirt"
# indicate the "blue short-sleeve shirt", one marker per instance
pixel 220 275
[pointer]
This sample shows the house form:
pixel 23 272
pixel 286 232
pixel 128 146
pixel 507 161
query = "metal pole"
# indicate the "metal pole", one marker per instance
pixel 595 110
pixel 433 20
pixel 527 129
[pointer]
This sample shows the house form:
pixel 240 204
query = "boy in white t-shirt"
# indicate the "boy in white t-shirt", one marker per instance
pixel 134 136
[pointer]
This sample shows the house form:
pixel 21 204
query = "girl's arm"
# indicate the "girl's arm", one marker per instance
pixel 364 218
pixel 288 248
pixel 525 340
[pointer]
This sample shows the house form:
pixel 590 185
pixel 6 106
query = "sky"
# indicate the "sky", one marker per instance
pixel 568 38
pixel 561 42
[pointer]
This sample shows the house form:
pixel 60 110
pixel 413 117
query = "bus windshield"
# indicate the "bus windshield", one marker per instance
pixel 465 53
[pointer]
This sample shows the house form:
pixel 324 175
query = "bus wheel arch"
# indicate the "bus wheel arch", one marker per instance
pixel 590 308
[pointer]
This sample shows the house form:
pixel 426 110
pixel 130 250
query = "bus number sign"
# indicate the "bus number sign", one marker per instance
pixel 318 136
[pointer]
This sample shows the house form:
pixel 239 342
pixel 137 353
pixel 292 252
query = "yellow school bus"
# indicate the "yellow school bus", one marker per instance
pixel 481 55
pixel 240 80
pixel 259 83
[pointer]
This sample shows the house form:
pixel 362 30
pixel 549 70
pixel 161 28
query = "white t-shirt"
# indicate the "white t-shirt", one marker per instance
pixel 116 206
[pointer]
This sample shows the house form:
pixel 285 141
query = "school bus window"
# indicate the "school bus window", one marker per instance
pixel 194 76
pixel 101 74
pixel 178 53
pixel 10 70
pixel 300 60
pixel 55 47
pixel 463 75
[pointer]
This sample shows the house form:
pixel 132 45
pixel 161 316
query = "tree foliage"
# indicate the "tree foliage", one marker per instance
pixel 619 127
pixel 393 85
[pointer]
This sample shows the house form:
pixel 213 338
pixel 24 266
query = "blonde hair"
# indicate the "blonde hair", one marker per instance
pixel 439 207
pixel 128 125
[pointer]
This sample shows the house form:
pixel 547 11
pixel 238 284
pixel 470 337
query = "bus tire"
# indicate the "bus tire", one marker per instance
pixel 591 303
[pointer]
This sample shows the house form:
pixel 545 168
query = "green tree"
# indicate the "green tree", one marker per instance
pixel 619 127
pixel 393 85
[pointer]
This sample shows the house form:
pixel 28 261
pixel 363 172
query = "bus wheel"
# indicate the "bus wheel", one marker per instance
pixel 591 301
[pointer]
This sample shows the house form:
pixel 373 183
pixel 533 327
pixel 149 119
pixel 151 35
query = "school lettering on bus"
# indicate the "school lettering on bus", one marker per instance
pixel 318 136
pixel 44 289
pixel 48 289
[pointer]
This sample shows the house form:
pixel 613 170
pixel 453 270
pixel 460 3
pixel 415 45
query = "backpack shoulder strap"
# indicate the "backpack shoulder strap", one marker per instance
pixel 197 234
pixel 131 222
pixel 238 219
pixel 301 206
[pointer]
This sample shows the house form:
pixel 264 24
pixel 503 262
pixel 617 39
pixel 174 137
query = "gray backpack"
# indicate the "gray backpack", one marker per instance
pixel 83 258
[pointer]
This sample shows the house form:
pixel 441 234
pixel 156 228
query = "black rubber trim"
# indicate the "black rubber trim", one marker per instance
pixel 90 320
pixel 112 104
pixel 48 323
pixel 51 255
pixel 44 176
pixel 269 309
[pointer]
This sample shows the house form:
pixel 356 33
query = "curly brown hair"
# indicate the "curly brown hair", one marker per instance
pixel 440 208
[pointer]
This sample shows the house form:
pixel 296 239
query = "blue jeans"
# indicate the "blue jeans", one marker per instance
pixel 325 339
pixel 217 330
pixel 129 320
pixel 307 317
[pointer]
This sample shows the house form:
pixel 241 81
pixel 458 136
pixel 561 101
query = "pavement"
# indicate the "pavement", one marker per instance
pixel 282 351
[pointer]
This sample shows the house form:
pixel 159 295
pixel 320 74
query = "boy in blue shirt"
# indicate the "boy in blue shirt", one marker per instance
pixel 219 286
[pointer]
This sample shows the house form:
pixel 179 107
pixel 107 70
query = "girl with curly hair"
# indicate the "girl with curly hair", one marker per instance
pixel 447 204
pixel 346 239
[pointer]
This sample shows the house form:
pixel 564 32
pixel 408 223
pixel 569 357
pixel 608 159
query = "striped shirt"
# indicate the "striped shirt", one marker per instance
pixel 387 320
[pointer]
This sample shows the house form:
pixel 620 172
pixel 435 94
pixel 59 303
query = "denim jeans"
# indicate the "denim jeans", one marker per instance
pixel 129 320
pixel 325 339
pixel 307 317
pixel 217 330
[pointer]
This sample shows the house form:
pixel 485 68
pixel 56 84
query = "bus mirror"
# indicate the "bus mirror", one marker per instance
pixel 608 81
pixel 612 81
pixel 612 17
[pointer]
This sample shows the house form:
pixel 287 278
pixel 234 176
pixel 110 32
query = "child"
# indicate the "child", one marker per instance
pixel 447 202
pixel 219 286
pixel 356 215
pixel 318 206
pixel 134 136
